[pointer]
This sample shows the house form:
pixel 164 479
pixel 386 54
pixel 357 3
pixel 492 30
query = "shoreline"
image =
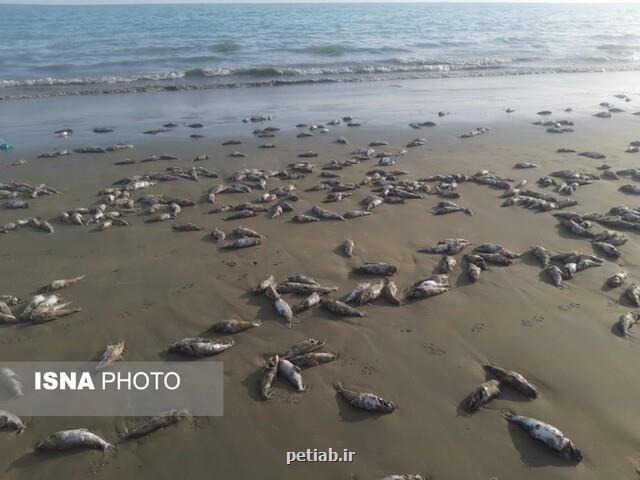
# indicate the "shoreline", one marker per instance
pixel 468 100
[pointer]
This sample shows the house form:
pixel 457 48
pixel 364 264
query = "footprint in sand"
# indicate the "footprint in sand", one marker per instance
pixel 434 349
pixel 532 322
pixel 368 370
pixel 568 307
pixel 477 328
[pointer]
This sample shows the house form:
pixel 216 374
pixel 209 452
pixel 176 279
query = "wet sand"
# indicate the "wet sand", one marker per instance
pixel 150 286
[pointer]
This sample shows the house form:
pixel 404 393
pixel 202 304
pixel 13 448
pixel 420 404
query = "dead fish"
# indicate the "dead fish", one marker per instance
pixel 242 214
pixel 270 281
pixel 163 420
pixel 391 292
pixel 449 246
pixel 482 395
pixel 305 279
pixel 627 321
pixel 60 284
pixel 607 248
pixel 542 254
pixel 246 232
pixel 429 287
pixel 357 213
pixel 243 242
pixel 633 294
pixel 446 264
pixel 326 214
pixel 513 379
pixel 306 346
pixel 49 313
pixel 547 434
pixel 495 248
pixel 112 354
pixel 476 260
pixel 9 421
pixel 311 301
pixel 234 326
pixel 556 275
pixel 200 347
pixel 71 439
pixel 218 235
pixel 365 293
pixel 404 476
pixel 376 268
pixel 292 373
pixel 304 288
pixel 281 306
pixel 313 359
pixel 269 372
pixel 444 207
pixel 11 381
pixel 186 227
pixel 304 219
pixel 366 401
pixel 496 258
pixel 473 271
pixel 340 308
pixel 347 247
pixel 617 278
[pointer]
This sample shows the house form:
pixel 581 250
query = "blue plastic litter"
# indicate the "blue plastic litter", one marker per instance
pixel 6 146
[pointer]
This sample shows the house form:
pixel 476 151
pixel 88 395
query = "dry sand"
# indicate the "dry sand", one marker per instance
pixel 149 285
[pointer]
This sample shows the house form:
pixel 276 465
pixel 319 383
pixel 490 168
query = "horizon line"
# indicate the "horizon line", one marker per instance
pixel 88 3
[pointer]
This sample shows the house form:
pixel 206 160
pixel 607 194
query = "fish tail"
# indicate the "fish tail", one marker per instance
pixel 507 414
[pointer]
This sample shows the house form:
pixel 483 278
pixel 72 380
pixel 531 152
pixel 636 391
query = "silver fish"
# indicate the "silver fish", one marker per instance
pixel 547 434
pixel 633 294
pixel 234 326
pixel 541 254
pixel 311 301
pixel 617 278
pixel 11 381
pixel 513 379
pixel 292 373
pixel 313 359
pixel 71 439
pixel 200 347
pixel 376 268
pixel 269 372
pixel 626 322
pixel 243 242
pixel 340 308
pixel 112 354
pixel 307 346
pixel 391 292
pixel 482 395
pixel 446 264
pixel 60 284
pixel 163 420
pixel 9 421
pixel 347 247
pixel 556 275
pixel 365 400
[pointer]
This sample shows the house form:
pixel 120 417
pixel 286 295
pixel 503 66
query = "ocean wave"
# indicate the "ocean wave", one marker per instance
pixel 207 79
pixel 226 46
pixel 333 50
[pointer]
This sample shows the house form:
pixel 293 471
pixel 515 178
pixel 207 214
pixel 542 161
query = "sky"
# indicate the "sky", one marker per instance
pixel 81 2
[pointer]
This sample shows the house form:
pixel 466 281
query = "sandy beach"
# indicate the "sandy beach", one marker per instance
pixel 150 285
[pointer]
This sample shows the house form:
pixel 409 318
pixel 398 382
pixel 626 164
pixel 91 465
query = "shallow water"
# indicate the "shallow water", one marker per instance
pixel 64 50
